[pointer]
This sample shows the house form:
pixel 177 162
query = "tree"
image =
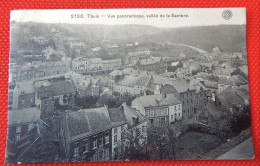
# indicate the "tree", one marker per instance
pixel 132 145
pixel 159 143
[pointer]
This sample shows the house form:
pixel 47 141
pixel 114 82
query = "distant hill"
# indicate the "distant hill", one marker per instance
pixel 226 37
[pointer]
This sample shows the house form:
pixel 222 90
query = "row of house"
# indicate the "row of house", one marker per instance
pixel 37 70
pixel 97 134
pixel 95 64
pixel 192 96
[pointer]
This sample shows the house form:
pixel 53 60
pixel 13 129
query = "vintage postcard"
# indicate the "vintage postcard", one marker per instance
pixel 128 84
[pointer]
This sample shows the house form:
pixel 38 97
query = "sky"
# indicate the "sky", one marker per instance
pixel 196 16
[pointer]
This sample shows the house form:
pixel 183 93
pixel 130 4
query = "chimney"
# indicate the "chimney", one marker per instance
pixel 157 90
pixel 213 96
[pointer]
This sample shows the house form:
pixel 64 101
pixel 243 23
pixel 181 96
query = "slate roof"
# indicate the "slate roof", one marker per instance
pixel 143 81
pixel 243 91
pixel 87 122
pixel 167 89
pixel 172 100
pixel 212 109
pixel 211 84
pixel 157 80
pixel 229 98
pixel 232 80
pixel 129 70
pixel 128 80
pixel 244 69
pixel 95 60
pixel 98 119
pixel 175 63
pixel 57 89
pixel 222 71
pixel 181 85
pixel 150 61
pixel 116 73
pixel 117 116
pixel 24 115
pixel 133 116
pixel 157 100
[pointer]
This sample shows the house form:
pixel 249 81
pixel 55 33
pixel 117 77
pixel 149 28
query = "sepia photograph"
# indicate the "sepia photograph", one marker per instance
pixel 92 85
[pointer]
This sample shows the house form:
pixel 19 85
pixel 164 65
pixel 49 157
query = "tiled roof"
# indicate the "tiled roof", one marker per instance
pixel 24 115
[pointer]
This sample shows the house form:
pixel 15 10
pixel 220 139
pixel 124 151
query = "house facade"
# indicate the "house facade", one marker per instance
pixel 52 95
pixel 230 81
pixel 159 108
pixel 92 135
pixel 21 121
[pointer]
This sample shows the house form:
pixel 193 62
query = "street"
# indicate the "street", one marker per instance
pixel 244 150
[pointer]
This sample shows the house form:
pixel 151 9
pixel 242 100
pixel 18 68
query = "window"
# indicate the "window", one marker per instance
pixel 30 126
pixel 183 102
pixel 106 139
pixel 179 114
pixel 76 151
pixel 95 144
pixel 175 108
pixel 100 141
pixel 107 153
pixel 151 112
pixel 156 112
pixel 85 147
pixel 171 117
pixel 142 128
pixel 115 130
pixel 17 137
pixel 115 139
pixel 191 101
pixel 23 101
pixel 18 129
pixel 184 112
pixel 187 102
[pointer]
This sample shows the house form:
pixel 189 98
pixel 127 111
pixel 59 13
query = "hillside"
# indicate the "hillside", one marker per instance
pixel 226 37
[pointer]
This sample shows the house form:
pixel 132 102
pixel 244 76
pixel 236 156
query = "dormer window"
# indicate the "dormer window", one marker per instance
pixel 22 92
